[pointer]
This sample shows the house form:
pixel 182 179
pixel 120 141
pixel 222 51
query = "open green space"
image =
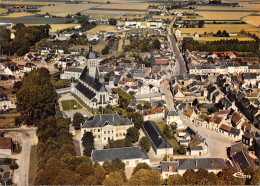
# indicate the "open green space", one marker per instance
pixel 33 165
pixel 70 105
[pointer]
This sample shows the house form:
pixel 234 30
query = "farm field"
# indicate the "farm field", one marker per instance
pixel 55 27
pixel 244 6
pixel 253 20
pixel 98 47
pixel 3 10
pixel 126 5
pixel 30 2
pixel 108 28
pixel 33 20
pixel 241 38
pixel 256 33
pixel 112 13
pixel 19 14
pixel 211 15
pixel 230 28
pixel 65 9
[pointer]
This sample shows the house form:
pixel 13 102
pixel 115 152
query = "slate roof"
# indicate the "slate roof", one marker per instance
pixel 196 148
pixel 85 91
pixel 243 161
pixel 92 82
pixel 156 136
pixel 235 131
pixel 207 163
pixel 123 153
pixel 165 165
pixel 106 119
pixel 237 147
pixel 74 70
pixel 172 113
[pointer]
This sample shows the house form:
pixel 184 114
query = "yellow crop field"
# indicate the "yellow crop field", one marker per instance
pixel 19 14
pixel 253 20
pixel 256 33
pixel 98 47
pixel 204 39
pixel 65 9
pixel 108 28
pixel 3 10
pixel 230 28
pixel 221 15
pixel 120 45
pixel 243 6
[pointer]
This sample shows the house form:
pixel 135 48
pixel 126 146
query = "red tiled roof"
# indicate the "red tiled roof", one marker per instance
pixel 223 112
pixel 5 143
pixel 152 111
pixel 216 119
pixel 225 127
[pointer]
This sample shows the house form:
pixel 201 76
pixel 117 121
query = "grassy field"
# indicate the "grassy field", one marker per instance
pixel 33 165
pixel 69 105
pixel 98 47
pixel 19 14
pixel 108 28
pixel 65 9
pixel 253 20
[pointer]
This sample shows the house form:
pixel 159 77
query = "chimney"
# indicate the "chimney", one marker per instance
pixel 212 162
pixel 196 163
pixel 170 168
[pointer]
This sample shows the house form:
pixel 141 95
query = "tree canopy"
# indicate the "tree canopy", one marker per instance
pixel 37 97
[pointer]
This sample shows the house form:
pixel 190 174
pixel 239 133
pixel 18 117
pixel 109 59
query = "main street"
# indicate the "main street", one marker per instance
pixel 180 66
pixel 24 161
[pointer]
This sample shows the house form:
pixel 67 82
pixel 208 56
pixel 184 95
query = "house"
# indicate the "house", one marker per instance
pixel 160 143
pixel 247 138
pixel 179 166
pixel 154 114
pixel 131 156
pixel 172 117
pixel 71 73
pixel 28 67
pixel 236 120
pixel 6 146
pixel 6 103
pixel 107 126
pixel 241 160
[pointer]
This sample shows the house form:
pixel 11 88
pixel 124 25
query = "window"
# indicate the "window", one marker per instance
pixel 105 132
pixel 98 130
pixel 108 132
pixel 136 162
pixel 124 134
pixel 105 138
pixel 127 163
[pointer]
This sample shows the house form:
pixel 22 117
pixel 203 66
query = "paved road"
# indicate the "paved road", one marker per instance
pixel 216 141
pixel 27 134
pixel 168 95
pixel 180 66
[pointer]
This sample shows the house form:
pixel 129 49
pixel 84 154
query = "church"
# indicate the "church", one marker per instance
pixel 89 89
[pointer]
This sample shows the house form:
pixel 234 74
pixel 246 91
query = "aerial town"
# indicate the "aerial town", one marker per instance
pixel 129 92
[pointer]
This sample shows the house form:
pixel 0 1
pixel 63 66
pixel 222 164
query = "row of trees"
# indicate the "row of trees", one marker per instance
pixel 221 45
pixel 25 37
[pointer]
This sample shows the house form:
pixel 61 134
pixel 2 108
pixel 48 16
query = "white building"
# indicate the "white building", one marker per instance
pixel 71 73
pixel 107 126
pixel 154 24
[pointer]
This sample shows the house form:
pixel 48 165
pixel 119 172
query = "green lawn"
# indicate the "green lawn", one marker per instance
pixel 173 141
pixel 69 105
pixel 33 165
